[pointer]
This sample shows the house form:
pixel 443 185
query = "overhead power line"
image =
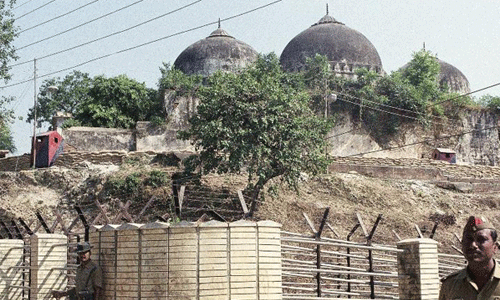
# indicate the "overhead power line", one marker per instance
pixel 469 93
pixel 73 28
pixel 378 109
pixel 60 16
pixel 22 4
pixel 32 11
pixel 117 32
pixel 145 44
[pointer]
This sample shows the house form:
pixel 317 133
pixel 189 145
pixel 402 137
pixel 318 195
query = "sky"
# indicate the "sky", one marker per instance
pixel 462 33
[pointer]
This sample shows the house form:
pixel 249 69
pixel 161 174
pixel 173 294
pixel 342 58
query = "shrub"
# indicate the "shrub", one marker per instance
pixel 157 178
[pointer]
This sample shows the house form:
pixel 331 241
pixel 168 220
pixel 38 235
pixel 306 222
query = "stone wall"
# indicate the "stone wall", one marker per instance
pixel 15 163
pixel 98 139
pixel 475 138
pixel 481 146
pixel 158 138
pixel 416 168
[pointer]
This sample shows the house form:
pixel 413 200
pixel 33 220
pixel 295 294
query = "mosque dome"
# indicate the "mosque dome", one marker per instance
pixel 346 48
pixel 219 51
pixel 453 78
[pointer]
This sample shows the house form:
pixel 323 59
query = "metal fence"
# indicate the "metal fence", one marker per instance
pixel 449 263
pixel 319 268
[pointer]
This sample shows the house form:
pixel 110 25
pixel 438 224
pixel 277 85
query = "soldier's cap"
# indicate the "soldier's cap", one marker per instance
pixel 83 247
pixel 476 223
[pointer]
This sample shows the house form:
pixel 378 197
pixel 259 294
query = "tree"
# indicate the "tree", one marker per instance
pixel 73 90
pixel 255 121
pixel 100 102
pixel 490 101
pixel 422 72
pixel 118 102
pixel 8 33
pixel 6 118
pixel 174 79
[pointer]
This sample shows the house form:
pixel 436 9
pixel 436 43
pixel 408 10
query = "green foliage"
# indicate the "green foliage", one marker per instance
pixel 422 72
pixel 116 102
pixel 157 178
pixel 71 123
pixel 73 90
pixel 174 79
pixel 256 121
pixel 491 102
pixel 7 53
pixel 6 139
pixel 6 118
pixel 8 33
pixel 157 120
pixel 129 186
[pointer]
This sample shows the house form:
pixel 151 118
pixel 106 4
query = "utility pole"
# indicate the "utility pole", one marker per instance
pixel 35 100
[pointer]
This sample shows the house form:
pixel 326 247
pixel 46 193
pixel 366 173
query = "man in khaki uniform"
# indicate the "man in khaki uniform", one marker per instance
pixel 480 279
pixel 88 280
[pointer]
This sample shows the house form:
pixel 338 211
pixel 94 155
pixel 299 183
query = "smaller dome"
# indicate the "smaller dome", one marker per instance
pixel 450 77
pixel 453 78
pixel 219 51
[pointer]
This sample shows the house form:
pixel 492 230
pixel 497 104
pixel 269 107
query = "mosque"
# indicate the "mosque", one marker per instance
pixel 347 50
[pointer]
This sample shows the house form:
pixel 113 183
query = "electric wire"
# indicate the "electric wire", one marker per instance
pixel 145 44
pixel 425 141
pixel 60 16
pixel 22 4
pixel 32 11
pixel 340 134
pixel 469 93
pixel 117 32
pixel 378 109
pixel 386 105
pixel 73 28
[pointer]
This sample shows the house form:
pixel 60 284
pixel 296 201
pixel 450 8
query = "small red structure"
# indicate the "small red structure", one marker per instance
pixel 48 147
pixel 445 154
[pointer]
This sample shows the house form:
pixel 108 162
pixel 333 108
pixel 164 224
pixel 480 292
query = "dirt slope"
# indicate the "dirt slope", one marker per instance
pixel 403 203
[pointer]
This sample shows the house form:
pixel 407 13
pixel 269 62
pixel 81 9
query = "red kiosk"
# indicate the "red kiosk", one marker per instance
pixel 48 147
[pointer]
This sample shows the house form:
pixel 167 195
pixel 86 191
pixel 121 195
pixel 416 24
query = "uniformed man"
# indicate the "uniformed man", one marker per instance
pixel 480 279
pixel 88 280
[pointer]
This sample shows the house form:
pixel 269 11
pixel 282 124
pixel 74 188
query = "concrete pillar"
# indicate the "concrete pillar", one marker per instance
pixel 11 273
pixel 49 256
pixel 418 269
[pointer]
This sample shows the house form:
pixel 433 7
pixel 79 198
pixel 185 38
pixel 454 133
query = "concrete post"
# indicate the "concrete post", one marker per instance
pixel 418 269
pixel 11 273
pixel 49 257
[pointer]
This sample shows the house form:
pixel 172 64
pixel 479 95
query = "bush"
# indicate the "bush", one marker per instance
pixel 157 178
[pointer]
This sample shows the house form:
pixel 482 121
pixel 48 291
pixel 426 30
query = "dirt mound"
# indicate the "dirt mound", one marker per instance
pixel 403 203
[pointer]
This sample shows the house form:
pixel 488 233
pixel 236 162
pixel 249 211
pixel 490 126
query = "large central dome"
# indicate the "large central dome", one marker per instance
pixel 219 51
pixel 344 47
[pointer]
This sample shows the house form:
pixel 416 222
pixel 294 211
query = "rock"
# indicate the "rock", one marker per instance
pixel 464 187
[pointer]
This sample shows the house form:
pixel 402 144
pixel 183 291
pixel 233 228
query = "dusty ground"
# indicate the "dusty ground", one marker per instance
pixel 403 203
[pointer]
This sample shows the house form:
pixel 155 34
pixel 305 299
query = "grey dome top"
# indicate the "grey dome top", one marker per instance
pixel 453 78
pixel 339 43
pixel 219 51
